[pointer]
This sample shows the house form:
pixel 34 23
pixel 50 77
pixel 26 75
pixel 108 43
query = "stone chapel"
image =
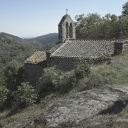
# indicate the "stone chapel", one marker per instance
pixel 70 51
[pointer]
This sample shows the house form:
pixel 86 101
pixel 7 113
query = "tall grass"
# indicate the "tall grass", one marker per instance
pixel 116 72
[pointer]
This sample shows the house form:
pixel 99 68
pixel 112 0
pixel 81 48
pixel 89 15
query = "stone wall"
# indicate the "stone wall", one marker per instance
pixel 33 72
pixel 65 64
pixel 118 48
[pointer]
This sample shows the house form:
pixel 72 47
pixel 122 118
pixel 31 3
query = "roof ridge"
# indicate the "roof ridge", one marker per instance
pixel 95 40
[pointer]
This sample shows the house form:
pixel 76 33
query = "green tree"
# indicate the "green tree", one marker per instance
pixel 87 26
pixel 123 26
pixel 82 70
pixel 93 26
pixel 3 95
pixel 125 9
pixel 55 81
pixel 26 95
pixel 10 73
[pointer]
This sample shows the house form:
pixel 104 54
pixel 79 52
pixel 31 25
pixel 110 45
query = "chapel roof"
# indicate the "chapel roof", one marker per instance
pixel 37 57
pixel 84 49
pixel 53 49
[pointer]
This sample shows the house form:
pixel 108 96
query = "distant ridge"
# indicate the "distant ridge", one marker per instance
pixel 13 48
pixel 10 36
pixel 45 41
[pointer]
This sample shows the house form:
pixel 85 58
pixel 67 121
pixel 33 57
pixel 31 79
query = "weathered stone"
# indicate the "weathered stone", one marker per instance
pixel 82 105
pixel 66 29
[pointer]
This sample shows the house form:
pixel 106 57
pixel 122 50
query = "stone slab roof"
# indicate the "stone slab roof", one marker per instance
pixel 36 58
pixel 53 49
pixel 84 49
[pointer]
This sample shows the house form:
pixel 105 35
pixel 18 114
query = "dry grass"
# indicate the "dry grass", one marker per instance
pixel 115 73
pixel 29 114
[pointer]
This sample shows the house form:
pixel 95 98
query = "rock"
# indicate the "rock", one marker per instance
pixel 95 108
pixel 81 106
pixel 122 88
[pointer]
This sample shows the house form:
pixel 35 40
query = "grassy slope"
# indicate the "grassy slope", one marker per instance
pixel 28 114
pixel 116 73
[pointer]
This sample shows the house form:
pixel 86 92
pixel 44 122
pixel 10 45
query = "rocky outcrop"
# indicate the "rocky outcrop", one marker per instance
pixel 83 105
pixel 95 108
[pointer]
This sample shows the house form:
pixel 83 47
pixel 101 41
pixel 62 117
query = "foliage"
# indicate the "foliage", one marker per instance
pixel 93 26
pixel 125 9
pixel 12 48
pixel 13 52
pixel 55 81
pixel 46 41
pixel 2 78
pixel 3 95
pixel 26 94
pixel 82 70
pixel 11 72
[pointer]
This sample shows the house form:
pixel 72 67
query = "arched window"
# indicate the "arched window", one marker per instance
pixel 67 30
pixel 71 31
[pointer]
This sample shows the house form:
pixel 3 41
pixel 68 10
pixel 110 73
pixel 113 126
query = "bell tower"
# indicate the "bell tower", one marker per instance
pixel 66 29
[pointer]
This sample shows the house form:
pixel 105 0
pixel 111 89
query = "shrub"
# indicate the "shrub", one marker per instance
pixel 45 85
pixel 82 70
pixel 96 80
pixel 55 81
pixel 91 81
pixel 66 82
pixel 3 95
pixel 10 73
pixel 26 95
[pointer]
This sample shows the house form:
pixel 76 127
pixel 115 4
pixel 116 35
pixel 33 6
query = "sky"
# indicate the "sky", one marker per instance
pixel 31 18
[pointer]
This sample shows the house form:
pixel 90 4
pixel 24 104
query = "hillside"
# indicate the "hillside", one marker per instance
pixel 16 48
pixel 13 48
pixel 11 37
pixel 45 41
pixel 98 100
pixel 13 53
pixel 98 96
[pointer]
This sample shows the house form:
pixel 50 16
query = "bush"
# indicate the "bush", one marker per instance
pixel 82 70
pixel 10 73
pixel 66 82
pixel 55 81
pixel 3 95
pixel 79 79
pixel 26 95
pixel 91 81
pixel 46 85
